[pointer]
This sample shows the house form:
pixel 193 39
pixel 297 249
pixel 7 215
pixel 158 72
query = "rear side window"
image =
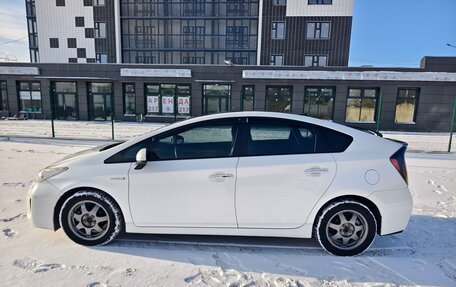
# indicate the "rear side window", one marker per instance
pixel 332 141
pixel 280 137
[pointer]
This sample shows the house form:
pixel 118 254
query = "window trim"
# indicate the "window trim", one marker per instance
pixel 415 110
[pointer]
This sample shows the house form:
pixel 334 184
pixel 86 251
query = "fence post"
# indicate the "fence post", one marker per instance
pixel 52 106
pixel 379 113
pixel 112 112
pixel 452 125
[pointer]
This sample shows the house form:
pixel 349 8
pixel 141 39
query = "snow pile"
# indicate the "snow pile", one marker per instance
pixel 425 254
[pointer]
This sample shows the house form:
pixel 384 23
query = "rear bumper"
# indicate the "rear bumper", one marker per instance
pixel 42 197
pixel 395 207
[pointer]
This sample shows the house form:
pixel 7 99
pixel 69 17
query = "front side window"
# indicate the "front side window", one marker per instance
pixel 278 99
pixel 406 105
pixel 319 102
pixel 3 96
pixel 278 30
pixel 248 98
pixel 361 105
pixel 318 30
pixel 100 30
pixel 276 60
pixel 213 139
pixel 315 60
pixel 129 99
pixel 30 96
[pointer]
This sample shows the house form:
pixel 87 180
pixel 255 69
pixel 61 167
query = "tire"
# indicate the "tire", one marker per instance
pixel 90 218
pixel 346 228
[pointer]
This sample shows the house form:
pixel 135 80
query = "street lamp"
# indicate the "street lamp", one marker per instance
pixel 228 62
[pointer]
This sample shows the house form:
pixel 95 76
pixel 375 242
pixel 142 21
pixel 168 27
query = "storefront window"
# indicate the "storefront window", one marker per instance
pixel 129 99
pixel 66 101
pixel 278 99
pixel 30 97
pixel 406 104
pixel 168 99
pixel 361 105
pixel 216 98
pixel 3 96
pixel 319 102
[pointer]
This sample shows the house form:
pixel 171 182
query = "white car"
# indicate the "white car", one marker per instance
pixel 247 173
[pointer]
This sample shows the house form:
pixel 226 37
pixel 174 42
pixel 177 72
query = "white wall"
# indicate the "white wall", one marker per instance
pixel 59 22
pixel 338 8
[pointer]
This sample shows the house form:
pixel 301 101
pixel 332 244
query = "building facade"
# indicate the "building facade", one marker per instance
pixel 209 32
pixel 404 99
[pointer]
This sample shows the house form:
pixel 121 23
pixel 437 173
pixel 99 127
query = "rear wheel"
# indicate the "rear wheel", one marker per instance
pixel 90 218
pixel 346 228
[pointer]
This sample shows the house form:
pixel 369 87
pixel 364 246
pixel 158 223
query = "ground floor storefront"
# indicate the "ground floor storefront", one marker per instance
pixel 419 99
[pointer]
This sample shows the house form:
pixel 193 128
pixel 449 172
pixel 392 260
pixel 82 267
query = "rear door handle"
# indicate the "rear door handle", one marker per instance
pixel 316 171
pixel 220 176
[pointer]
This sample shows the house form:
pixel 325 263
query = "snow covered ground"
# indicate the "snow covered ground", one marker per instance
pixel 424 255
pixel 127 130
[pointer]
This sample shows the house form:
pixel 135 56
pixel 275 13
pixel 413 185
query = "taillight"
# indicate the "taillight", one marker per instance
pixel 398 161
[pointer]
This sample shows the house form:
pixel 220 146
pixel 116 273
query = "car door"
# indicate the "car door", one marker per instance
pixel 189 179
pixel 279 175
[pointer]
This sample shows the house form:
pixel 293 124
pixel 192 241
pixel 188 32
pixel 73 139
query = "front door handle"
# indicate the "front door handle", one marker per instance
pixel 220 176
pixel 316 171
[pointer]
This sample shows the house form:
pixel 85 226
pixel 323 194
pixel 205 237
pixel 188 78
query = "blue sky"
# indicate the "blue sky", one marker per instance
pixel 395 33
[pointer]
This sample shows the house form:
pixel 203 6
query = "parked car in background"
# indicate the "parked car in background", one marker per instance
pixel 246 173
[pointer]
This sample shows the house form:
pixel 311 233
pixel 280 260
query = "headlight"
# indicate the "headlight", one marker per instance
pixel 50 172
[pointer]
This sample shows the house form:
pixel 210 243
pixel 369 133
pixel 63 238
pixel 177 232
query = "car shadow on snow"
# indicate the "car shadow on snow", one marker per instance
pixel 391 259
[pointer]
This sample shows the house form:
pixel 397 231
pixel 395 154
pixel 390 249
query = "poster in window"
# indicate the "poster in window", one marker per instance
pixel 183 105
pixel 152 104
pixel 168 105
pixel 24 95
pixel 36 95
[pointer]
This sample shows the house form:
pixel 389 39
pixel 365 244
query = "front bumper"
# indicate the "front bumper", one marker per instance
pixel 395 207
pixel 42 197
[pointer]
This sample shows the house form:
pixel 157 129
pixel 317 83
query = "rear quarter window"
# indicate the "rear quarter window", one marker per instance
pixel 332 141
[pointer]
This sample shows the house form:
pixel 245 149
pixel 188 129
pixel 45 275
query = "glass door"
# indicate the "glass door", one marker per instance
pixel 216 98
pixel 100 101
pixel 66 105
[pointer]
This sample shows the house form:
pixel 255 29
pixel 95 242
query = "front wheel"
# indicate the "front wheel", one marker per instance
pixel 346 228
pixel 90 218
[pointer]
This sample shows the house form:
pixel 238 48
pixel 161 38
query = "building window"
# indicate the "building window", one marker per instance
pixel 3 96
pixel 276 60
pixel 100 30
pixel 91 60
pixel 406 105
pixel 89 33
pixel 79 21
pixel 54 42
pixel 129 96
pixel 216 98
pixel 88 3
pixel 237 37
pixel 101 58
pixel 278 30
pixel 60 3
pixel 247 98
pixel 320 2
pixel 279 2
pixel 71 42
pixel 168 99
pixel 66 100
pixel 29 96
pixel 98 2
pixel 72 60
pixel 193 36
pixel 319 102
pixel 361 105
pixel 278 99
pixel 81 52
pixel 315 60
pixel 318 30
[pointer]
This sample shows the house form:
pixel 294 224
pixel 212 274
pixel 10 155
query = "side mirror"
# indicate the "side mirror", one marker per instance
pixel 141 158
